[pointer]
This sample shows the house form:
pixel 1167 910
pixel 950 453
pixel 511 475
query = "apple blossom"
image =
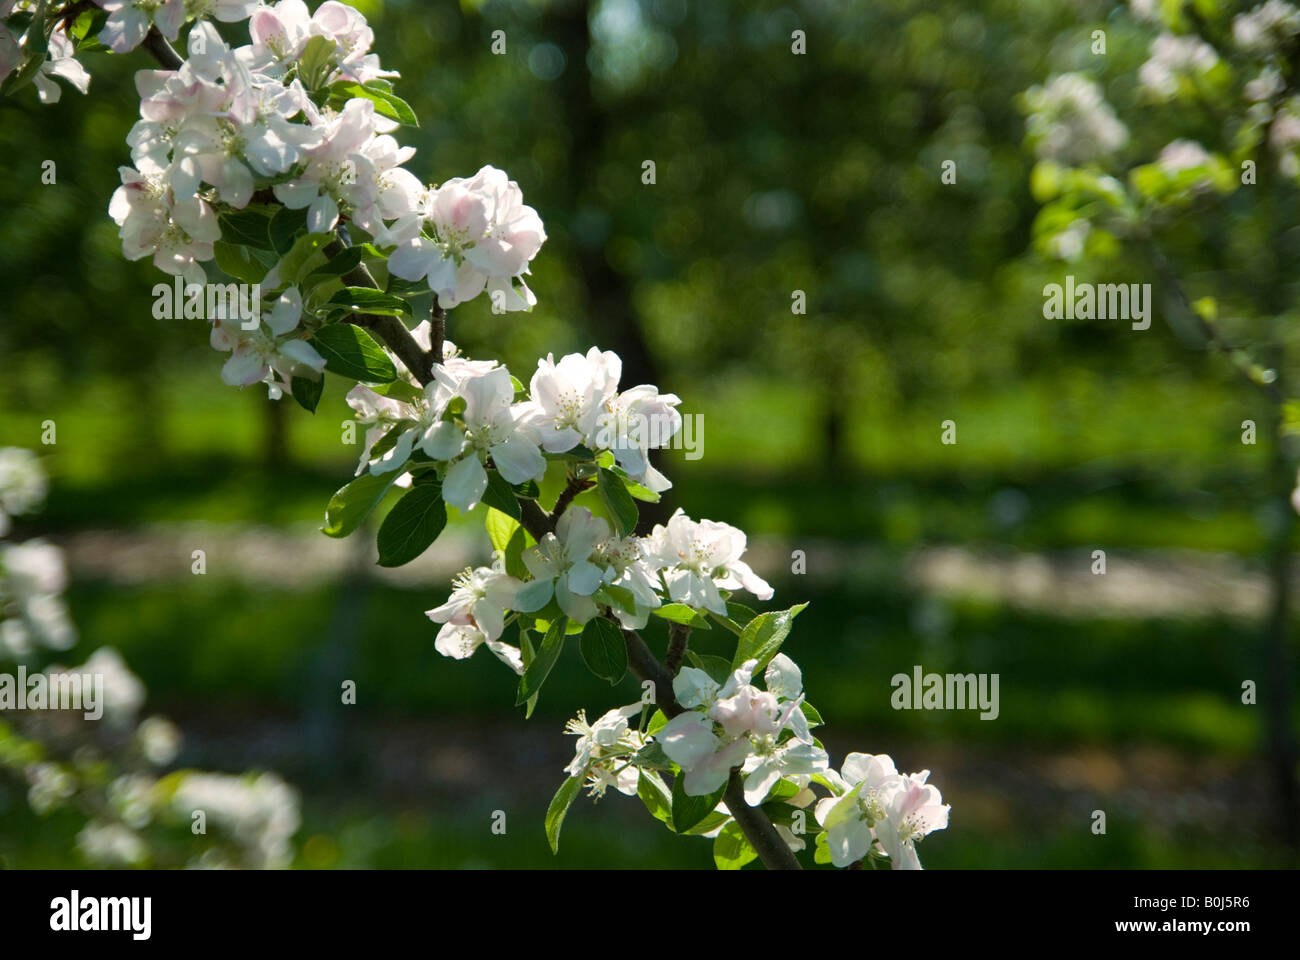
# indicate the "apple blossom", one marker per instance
pixel 481 236
pixel 601 752
pixel 699 558
pixel 561 566
pixel 474 614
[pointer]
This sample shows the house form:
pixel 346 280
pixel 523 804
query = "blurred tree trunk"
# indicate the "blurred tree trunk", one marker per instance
pixel 609 302
pixel 608 296
pixel 275 432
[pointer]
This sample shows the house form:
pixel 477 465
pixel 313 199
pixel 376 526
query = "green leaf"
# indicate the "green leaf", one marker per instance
pixel 603 650
pixel 652 757
pixel 687 810
pixel 398 390
pixel 351 352
pixel 412 525
pixel 731 850
pixel 681 613
pixel 368 300
pixel 526 654
pixel 763 636
pixel 501 496
pixel 236 261
pixel 560 804
pixel 500 528
pixel 345 261
pixel 822 853
pixel 386 103
pixel 531 682
pixel 283 227
pixel 307 391
pixel 619 503
pixel 637 490
pixel 316 62
pixel 708 824
pixel 655 796
pixel 811 712
pixel 353 503
pixel 509 539
pixel 249 227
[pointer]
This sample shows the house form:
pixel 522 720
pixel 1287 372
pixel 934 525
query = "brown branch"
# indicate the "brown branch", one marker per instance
pixel 534 519
pixel 162 51
pixel 574 487
pixel 679 635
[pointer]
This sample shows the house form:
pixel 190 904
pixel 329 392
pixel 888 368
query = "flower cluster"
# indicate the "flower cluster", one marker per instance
pixel 474 413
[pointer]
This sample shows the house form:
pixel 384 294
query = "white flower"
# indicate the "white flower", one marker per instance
pixel 338 173
pixel 914 809
pixel 483 237
pixel 129 21
pixel 1265 27
pixel 601 746
pixel 491 426
pixel 178 233
pixel 868 783
pixel 22 484
pixel 268 355
pixel 474 614
pixel 561 566
pixel 111 845
pixel 698 558
pixel 706 760
pixel 878 803
pixel 1172 59
pixel 567 398
pixel 1070 121
pixel 259 812
pixel 62 62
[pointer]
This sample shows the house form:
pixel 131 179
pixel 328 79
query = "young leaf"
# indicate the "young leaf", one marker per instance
pixel 353 503
pixel 655 796
pixel 366 300
pixel 386 103
pixel 412 525
pixel 619 503
pixel 351 352
pixel 531 682
pixel 604 649
pixel 341 264
pixel 681 613
pixel 526 654
pixel 763 636
pixel 560 804
pixel 731 850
